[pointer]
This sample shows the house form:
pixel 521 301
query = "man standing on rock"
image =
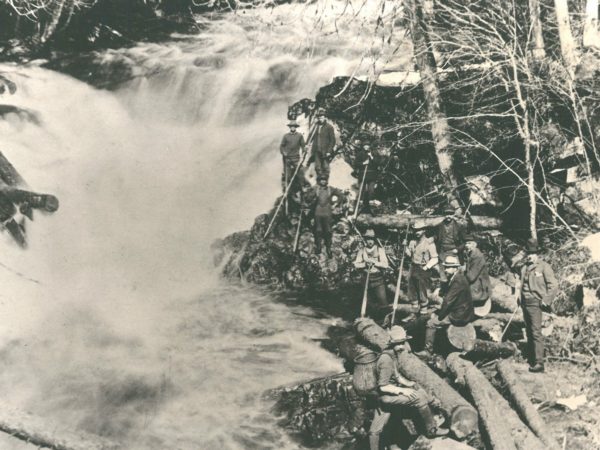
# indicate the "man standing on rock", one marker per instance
pixel 321 201
pixel 323 144
pixel 538 287
pixel 368 166
pixel 457 307
pixel 292 149
pixel 424 257
pixel 478 277
pixel 450 239
pixel 373 258
pixel 396 393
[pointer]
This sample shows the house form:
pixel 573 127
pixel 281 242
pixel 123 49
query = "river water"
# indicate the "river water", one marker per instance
pixel 114 320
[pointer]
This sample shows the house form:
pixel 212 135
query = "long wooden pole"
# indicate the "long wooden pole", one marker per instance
pixel 285 168
pixel 297 232
pixel 287 189
pixel 362 184
pixel 397 293
pixel 363 308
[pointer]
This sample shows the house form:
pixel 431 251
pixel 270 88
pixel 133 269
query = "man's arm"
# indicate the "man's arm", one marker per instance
pixel 433 255
pixel 359 262
pixel 283 148
pixel 450 299
pixel 302 144
pixel 474 268
pixel 382 261
pixel 330 139
pixel 551 283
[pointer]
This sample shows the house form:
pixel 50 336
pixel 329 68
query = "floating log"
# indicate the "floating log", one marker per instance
pixel 461 415
pixel 418 221
pixel 523 404
pixel 41 433
pixel 488 399
pixel 484 396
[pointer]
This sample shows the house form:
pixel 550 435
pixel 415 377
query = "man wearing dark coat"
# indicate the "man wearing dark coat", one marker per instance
pixel 450 239
pixel 323 144
pixel 457 307
pixel 368 165
pixel 478 276
pixel 321 200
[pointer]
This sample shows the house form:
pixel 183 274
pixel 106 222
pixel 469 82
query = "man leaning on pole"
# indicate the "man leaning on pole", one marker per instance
pixel 424 257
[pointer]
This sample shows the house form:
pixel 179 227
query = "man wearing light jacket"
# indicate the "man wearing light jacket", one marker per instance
pixel 373 258
pixel 538 287
pixel 424 257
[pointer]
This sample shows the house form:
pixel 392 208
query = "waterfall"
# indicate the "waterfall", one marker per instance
pixel 113 320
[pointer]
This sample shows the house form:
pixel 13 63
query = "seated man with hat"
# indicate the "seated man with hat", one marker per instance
pixel 292 149
pixel 395 393
pixel 457 307
pixel 538 288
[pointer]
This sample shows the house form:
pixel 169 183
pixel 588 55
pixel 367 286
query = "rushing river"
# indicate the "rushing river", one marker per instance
pixel 114 320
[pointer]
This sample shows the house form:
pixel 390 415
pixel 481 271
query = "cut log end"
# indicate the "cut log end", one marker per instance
pixel 463 421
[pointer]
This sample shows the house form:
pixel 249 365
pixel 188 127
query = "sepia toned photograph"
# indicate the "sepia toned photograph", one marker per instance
pixel 299 224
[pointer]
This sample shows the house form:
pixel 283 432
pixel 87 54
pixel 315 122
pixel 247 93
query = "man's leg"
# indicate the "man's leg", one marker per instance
pixel 433 324
pixel 532 312
pixel 380 419
pixel 318 233
pixel 443 277
pixel 420 403
pixel 413 293
pixel 327 233
pixel 318 164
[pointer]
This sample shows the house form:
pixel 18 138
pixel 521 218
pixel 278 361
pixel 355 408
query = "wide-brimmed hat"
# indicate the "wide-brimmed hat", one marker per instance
pixel 451 261
pixel 320 112
pixel 293 123
pixel 398 335
pixel 370 233
pixel 449 210
pixel 532 246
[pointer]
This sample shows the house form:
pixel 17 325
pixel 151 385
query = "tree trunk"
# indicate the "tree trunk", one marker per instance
pixel 590 27
pixel 483 349
pixel 461 415
pixel 55 13
pixel 567 44
pixel 401 220
pixel 523 405
pixel 468 375
pixel 485 397
pixel 530 187
pixel 537 51
pixel 425 62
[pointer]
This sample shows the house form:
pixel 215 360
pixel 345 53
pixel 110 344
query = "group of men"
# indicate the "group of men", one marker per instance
pixel 450 254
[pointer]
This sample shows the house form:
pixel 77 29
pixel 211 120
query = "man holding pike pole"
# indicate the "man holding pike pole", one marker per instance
pixel 372 257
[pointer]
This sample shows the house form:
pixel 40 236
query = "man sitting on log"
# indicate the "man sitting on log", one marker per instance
pixel 372 257
pixel 396 392
pixel 321 200
pixel 424 257
pixel 538 288
pixel 478 277
pixel 450 239
pixel 457 307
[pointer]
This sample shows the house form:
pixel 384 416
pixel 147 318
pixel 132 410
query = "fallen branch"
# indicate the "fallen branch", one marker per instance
pixel 418 221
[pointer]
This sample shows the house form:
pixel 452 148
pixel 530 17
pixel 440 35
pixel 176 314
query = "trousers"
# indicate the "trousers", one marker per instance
pixel 323 231
pixel 392 404
pixel 532 313
pixel 321 165
pixel 434 324
pixel 419 285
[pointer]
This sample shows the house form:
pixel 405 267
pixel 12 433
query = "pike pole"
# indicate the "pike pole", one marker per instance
pixel 287 189
pixel 362 185
pixel 397 293
pixel 363 308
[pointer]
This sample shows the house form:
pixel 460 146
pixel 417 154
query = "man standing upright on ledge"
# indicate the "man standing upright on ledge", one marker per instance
pixel 323 144
pixel 538 287
pixel 424 257
pixel 292 148
pixel 372 257
pixel 450 239
pixel 321 200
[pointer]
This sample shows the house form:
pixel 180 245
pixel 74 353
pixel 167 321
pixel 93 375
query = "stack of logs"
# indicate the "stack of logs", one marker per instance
pixel 475 411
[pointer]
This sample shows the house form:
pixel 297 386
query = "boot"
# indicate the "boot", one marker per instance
pixel 537 368
pixel 318 250
pixel 432 430
pixel 329 252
